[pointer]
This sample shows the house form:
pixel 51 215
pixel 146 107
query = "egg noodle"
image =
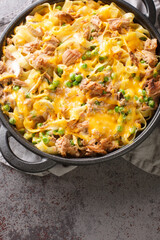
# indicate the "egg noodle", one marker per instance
pixel 75 78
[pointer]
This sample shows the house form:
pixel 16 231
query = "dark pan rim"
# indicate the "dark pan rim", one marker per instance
pixel 141 19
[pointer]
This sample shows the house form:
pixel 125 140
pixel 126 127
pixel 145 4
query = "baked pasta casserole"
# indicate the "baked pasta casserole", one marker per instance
pixel 79 78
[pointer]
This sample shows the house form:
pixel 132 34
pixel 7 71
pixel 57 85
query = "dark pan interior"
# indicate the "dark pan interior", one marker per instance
pixel 140 18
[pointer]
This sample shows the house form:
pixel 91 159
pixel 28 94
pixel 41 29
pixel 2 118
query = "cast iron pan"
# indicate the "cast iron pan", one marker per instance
pixel 48 160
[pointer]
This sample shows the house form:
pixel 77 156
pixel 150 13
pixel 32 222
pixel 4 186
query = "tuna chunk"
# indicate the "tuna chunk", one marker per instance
pixel 150 45
pixel 118 24
pixel 20 83
pixel 36 32
pixel 153 88
pixel 49 49
pixel 149 72
pixel 65 148
pixel 40 60
pixel 134 58
pixel 2 67
pixel 1 91
pixel 64 17
pixel 96 22
pixel 8 54
pixel 31 47
pixel 87 33
pixel 29 103
pixel 102 147
pixel 93 88
pixel 51 45
pixel 54 41
pixel 70 56
pixel 83 127
pixel 149 57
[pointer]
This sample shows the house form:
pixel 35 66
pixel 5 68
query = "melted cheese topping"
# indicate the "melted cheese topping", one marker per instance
pixel 46 107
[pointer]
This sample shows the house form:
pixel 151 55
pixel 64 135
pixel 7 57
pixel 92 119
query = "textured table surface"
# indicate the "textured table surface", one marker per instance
pixel 111 201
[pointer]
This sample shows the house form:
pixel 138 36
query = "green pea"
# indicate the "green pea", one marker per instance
pixel 58 7
pixel 39 124
pixel 55 132
pixel 95 52
pixel 108 68
pixel 103 83
pixel 141 100
pixel 12 121
pixel 27 95
pixel 79 142
pixel 91 38
pixel 136 98
pixel 113 76
pixel 124 116
pixel 143 93
pixel 36 140
pixel 97 102
pixel 142 61
pixel 83 104
pixel 127 97
pixel 6 108
pixel 106 79
pixel 54 84
pixel 94 13
pixel 15 88
pixel 84 65
pixel 64 24
pixel 143 38
pixel 45 139
pixel 28 136
pixel 72 76
pixel 133 75
pixel 59 71
pixel 155 74
pixel 120 43
pixel 93 30
pixel 22 130
pixel 61 131
pixel 68 84
pixel 133 130
pixel 100 69
pixel 93 47
pixel 101 58
pixel 84 57
pixel 72 143
pixel 116 109
pixel 75 83
pixel 151 103
pixel 88 54
pixel 122 91
pixel 121 109
pixel 78 78
pixel 119 128
pixel 145 99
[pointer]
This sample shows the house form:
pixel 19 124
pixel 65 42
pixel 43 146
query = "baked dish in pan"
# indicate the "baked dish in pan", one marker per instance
pixel 79 78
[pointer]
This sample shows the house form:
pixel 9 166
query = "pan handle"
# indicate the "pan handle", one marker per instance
pixel 16 162
pixel 150 6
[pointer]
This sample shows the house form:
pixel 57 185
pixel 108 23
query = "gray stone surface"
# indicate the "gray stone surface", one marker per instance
pixel 111 201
